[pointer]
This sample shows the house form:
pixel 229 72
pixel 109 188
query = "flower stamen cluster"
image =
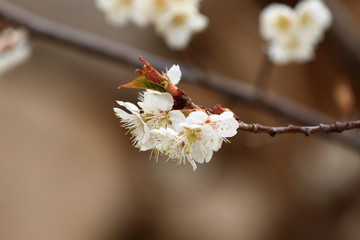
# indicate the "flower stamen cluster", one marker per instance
pixel 175 20
pixel 293 34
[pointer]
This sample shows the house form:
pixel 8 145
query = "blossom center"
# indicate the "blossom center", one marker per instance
pixel 179 19
pixel 283 23
pixel 306 19
pixel 120 3
pixel 160 5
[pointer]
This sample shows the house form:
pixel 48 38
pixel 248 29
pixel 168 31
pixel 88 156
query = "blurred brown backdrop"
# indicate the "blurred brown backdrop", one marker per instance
pixel 68 171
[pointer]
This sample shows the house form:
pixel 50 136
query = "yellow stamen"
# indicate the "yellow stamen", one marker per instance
pixel 283 23
pixel 179 19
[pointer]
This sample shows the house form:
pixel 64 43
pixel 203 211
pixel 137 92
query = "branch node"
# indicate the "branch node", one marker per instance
pixel 272 133
pixel 255 128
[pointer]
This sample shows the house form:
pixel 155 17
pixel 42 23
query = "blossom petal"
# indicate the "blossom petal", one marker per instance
pixel 318 13
pixel 147 145
pixel 197 117
pixel 293 49
pixel 129 106
pixel 121 113
pixel 174 73
pixel 198 22
pixel 155 102
pixel 209 156
pixel 198 154
pixel 313 18
pixel 177 38
pixel 176 117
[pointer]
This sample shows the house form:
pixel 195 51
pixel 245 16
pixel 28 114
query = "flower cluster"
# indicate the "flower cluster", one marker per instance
pixel 183 135
pixel 175 20
pixel 14 48
pixel 294 33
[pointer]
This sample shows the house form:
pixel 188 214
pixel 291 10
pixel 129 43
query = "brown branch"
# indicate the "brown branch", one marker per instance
pixel 128 55
pixel 337 127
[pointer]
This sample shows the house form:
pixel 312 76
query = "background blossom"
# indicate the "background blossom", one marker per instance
pixel 175 20
pixel 293 34
pixel 14 48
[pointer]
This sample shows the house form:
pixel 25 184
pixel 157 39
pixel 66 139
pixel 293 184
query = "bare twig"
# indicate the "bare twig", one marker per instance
pixel 128 55
pixel 337 127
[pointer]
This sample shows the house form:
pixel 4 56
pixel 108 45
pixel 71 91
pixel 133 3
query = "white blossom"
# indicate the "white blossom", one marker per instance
pixel 225 124
pixel 200 138
pixel 194 138
pixel 313 18
pixel 180 138
pixel 176 20
pixel 156 107
pixel 120 12
pixel 277 21
pixel 168 142
pixel 158 7
pixel 178 23
pixel 14 48
pixel 293 34
pixel 191 142
pixel 184 135
pixel 134 122
pixel 292 49
pixel 176 117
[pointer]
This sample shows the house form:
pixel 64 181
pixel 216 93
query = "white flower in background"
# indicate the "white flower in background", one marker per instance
pixel 292 49
pixel 120 12
pixel 313 18
pixel 160 6
pixel 176 20
pixel 14 48
pixel 277 21
pixel 179 23
pixel 186 135
pixel 293 34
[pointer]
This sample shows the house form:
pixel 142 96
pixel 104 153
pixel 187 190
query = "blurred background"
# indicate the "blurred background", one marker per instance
pixel 68 171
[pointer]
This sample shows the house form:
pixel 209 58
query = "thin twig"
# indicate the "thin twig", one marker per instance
pixel 128 55
pixel 337 127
